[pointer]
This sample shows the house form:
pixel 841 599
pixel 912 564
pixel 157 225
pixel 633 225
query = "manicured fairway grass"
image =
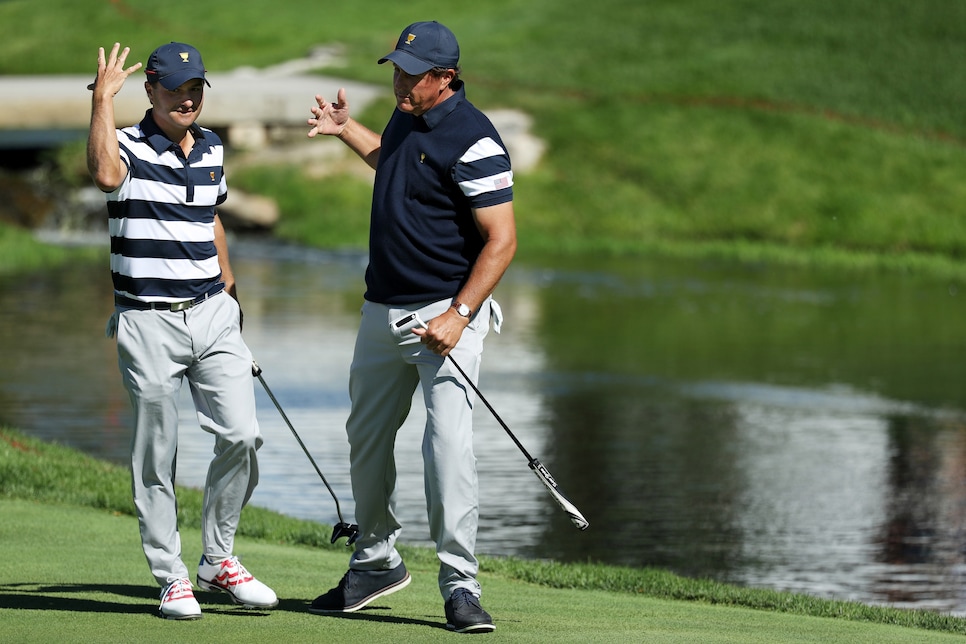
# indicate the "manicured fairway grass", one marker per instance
pixel 77 575
pixel 73 571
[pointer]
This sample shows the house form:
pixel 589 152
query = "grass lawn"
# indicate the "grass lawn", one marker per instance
pixel 74 571
pixel 78 575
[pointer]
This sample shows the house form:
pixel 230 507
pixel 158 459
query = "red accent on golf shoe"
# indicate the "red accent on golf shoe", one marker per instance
pixel 232 573
pixel 230 576
pixel 178 601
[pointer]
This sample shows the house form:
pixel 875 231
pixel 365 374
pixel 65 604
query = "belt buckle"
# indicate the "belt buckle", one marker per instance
pixel 181 306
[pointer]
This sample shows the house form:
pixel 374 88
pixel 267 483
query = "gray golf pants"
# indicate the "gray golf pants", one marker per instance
pixel 157 350
pixel 387 366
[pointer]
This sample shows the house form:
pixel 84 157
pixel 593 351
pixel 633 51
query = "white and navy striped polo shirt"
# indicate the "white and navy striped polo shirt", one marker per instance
pixel 162 217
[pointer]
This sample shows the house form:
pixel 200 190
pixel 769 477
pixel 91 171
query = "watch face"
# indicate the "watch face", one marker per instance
pixel 463 310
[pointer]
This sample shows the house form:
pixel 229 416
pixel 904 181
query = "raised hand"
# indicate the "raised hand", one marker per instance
pixel 111 73
pixel 329 118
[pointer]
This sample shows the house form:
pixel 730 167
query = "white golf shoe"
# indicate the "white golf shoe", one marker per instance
pixel 230 576
pixel 178 602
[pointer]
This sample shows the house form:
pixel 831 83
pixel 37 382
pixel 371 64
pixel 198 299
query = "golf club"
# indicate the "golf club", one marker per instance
pixel 538 468
pixel 342 529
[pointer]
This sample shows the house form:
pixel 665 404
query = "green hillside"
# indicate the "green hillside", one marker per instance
pixel 759 128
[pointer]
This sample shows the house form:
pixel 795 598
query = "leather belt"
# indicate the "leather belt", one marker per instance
pixel 183 305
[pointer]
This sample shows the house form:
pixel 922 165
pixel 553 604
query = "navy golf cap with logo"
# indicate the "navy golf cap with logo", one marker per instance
pixel 423 46
pixel 175 64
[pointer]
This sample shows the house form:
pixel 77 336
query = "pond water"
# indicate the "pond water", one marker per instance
pixel 786 429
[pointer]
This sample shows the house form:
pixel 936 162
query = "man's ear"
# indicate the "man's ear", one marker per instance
pixel 446 78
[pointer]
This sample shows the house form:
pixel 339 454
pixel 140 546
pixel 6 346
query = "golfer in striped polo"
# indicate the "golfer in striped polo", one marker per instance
pixel 176 317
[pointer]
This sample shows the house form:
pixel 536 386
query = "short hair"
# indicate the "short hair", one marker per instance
pixel 439 71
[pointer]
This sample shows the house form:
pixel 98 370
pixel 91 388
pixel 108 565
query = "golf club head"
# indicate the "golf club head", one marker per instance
pixel 349 530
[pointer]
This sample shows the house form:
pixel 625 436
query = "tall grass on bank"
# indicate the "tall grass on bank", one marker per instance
pixel 49 473
pixel 706 184
pixel 20 252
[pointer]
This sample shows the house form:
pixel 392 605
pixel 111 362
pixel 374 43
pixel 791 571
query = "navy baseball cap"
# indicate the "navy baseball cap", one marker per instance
pixel 174 64
pixel 423 46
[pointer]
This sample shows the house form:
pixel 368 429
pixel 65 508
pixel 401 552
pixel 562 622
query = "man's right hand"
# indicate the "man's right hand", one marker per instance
pixel 103 158
pixel 110 71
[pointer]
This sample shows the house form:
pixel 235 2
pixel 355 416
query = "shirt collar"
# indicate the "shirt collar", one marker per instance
pixel 157 139
pixel 440 111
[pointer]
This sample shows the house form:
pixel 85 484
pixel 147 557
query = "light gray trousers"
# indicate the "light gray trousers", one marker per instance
pixel 157 350
pixel 387 367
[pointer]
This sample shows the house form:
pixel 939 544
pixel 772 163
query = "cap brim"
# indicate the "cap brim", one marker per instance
pixel 177 79
pixel 407 62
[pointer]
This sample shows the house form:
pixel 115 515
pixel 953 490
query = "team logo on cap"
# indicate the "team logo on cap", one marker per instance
pixel 184 56
pixel 410 38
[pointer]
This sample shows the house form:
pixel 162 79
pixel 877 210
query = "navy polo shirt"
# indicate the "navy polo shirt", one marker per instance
pixel 433 171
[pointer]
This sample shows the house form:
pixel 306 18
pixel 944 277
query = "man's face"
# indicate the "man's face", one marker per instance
pixel 177 108
pixel 416 95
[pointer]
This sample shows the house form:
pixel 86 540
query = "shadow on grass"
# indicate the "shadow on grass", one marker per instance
pixel 64 597
pixel 365 615
pixel 84 598
pixel 27 596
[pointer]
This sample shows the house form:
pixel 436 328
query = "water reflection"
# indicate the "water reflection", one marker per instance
pixel 787 430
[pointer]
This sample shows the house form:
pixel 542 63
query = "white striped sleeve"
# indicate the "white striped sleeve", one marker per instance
pixel 484 168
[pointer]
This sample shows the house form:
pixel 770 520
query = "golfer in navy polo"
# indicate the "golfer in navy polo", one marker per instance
pixel 441 236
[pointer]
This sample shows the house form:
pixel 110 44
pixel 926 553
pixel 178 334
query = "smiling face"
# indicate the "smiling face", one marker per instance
pixel 175 110
pixel 417 94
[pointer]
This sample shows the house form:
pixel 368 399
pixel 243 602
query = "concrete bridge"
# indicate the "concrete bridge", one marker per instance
pixel 251 109
pixel 245 103
pixel 261 113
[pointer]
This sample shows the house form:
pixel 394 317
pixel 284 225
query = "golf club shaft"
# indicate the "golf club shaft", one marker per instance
pixel 538 468
pixel 258 374
pixel 479 394
pixel 576 517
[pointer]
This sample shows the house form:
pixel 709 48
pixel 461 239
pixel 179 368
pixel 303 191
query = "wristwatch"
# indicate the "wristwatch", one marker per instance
pixel 462 309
